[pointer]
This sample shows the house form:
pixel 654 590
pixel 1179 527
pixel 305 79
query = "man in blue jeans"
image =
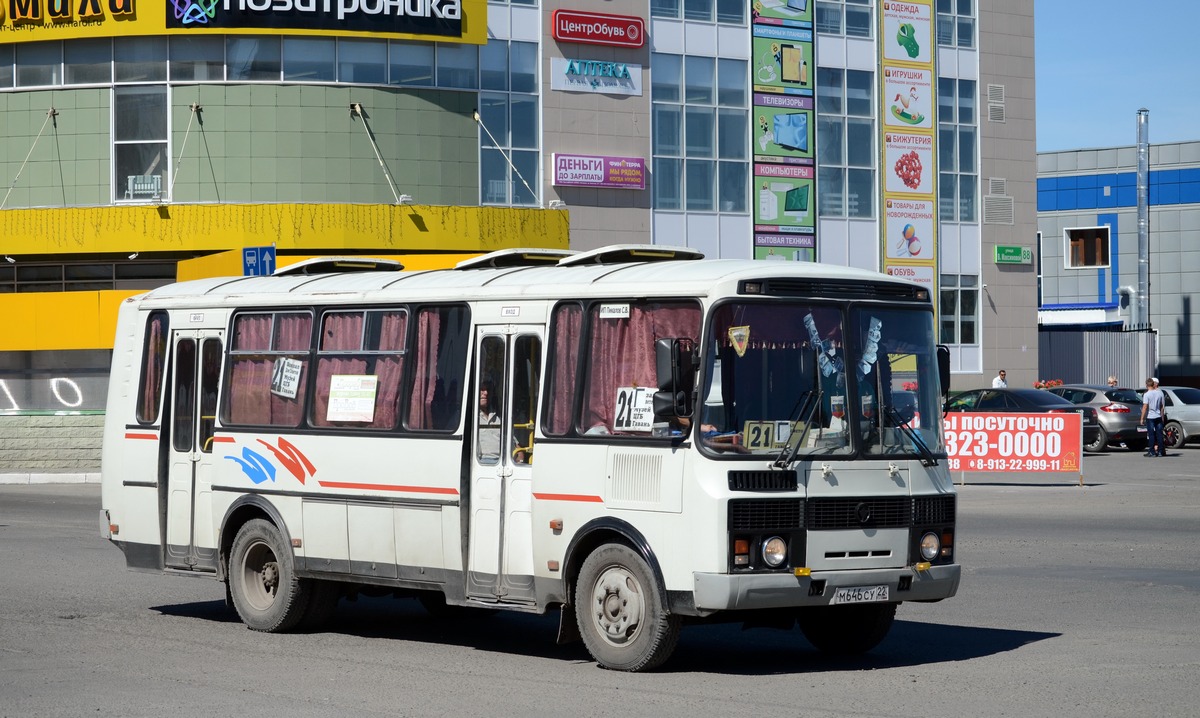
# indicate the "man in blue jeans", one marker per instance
pixel 1152 417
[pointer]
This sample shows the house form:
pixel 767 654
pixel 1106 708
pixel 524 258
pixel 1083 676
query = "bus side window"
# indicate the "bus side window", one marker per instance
pixel 527 372
pixel 621 369
pixel 154 361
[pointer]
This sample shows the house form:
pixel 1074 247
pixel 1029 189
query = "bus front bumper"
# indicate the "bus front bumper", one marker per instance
pixel 725 592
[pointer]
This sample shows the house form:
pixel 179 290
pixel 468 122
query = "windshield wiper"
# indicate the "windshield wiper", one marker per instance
pixel 807 405
pixel 927 457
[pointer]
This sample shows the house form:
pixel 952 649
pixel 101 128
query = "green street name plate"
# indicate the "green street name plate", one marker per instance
pixel 1013 254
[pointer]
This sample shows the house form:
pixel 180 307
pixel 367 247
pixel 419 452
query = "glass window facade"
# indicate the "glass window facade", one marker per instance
pixel 845 143
pixel 958 309
pixel 852 18
pixel 701 129
pixel 958 150
pixel 510 132
pixel 731 12
pixel 956 23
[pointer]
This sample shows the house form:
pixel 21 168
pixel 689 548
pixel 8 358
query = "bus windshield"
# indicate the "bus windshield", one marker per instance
pixel 777 368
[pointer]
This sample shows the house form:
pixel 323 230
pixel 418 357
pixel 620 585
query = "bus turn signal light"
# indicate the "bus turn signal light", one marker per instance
pixel 741 552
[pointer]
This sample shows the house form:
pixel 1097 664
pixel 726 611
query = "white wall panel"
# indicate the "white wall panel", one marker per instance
pixel 526 24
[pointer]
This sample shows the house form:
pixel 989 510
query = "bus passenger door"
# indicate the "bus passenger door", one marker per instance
pixel 508 374
pixel 195 376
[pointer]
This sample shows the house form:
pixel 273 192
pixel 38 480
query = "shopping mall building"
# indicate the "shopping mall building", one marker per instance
pixel 146 142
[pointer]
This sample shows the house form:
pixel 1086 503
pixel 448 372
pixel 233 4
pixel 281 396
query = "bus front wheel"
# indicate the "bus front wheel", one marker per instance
pixel 266 592
pixel 847 630
pixel 621 612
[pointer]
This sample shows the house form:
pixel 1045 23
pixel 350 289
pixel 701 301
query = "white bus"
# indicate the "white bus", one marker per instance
pixel 634 435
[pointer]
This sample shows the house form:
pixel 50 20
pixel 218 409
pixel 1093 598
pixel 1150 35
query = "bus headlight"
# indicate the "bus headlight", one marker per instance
pixel 774 551
pixel 930 546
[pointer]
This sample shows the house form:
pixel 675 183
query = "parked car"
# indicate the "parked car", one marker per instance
pixel 1119 411
pixel 1026 401
pixel 1183 415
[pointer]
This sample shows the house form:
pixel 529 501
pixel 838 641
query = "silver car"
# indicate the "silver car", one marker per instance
pixel 1183 415
pixel 1119 411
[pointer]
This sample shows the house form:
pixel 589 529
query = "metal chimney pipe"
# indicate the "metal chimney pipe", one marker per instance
pixel 1143 215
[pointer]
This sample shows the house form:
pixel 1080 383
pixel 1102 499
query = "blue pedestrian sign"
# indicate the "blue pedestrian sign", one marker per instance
pixel 258 261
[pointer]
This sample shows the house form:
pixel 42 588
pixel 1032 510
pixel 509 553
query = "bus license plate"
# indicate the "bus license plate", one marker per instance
pixel 860 594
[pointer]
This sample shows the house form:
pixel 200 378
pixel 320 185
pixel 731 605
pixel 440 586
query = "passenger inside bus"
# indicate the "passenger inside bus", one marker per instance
pixel 489 424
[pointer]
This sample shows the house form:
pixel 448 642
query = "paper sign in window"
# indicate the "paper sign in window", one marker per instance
pixel 285 377
pixel 635 409
pixel 352 398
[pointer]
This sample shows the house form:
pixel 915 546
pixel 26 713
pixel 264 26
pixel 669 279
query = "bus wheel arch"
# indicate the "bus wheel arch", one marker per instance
pixel 243 510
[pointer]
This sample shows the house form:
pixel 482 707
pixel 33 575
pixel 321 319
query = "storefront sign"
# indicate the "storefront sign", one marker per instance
pixel 600 76
pixel 442 20
pixel 594 28
pixel 592 171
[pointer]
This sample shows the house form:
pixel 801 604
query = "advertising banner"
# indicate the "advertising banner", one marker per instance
pixel 594 171
pixel 1014 442
pixel 440 20
pixel 908 97
pixel 908 141
pixel 783 130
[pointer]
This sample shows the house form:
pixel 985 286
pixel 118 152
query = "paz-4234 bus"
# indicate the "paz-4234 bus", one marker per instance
pixel 635 436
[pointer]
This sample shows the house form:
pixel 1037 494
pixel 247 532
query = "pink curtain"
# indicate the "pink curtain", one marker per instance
pixel 152 370
pixel 249 399
pixel 568 319
pixel 390 369
pixel 420 410
pixel 622 354
pixel 342 331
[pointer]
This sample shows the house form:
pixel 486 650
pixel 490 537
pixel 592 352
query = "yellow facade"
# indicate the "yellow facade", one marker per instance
pixel 420 237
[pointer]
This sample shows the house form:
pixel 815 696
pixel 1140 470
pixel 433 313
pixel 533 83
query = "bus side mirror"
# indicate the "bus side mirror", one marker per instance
pixel 943 360
pixel 675 370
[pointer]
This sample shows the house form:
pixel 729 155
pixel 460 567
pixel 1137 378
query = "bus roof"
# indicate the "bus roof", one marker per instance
pixel 673 278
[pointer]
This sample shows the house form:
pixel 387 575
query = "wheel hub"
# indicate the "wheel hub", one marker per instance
pixel 270 577
pixel 619 607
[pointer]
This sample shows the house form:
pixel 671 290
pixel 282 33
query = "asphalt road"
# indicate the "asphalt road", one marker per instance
pixel 1075 601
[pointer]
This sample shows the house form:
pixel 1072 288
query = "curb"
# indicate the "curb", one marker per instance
pixel 57 478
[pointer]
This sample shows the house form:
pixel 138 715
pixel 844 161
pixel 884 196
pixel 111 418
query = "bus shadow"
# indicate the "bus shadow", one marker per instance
pixel 730 650
pixel 708 648
pixel 1033 485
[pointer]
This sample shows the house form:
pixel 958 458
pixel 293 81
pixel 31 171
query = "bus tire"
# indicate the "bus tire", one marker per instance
pixel 622 615
pixel 847 630
pixel 266 592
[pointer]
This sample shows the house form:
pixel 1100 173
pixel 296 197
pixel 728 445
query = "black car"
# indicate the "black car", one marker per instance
pixel 1025 401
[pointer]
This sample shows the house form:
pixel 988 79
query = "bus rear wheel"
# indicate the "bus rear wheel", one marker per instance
pixel 266 592
pixel 621 613
pixel 847 630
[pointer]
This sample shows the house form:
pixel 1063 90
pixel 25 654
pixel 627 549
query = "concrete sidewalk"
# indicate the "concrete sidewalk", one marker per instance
pixel 51 478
